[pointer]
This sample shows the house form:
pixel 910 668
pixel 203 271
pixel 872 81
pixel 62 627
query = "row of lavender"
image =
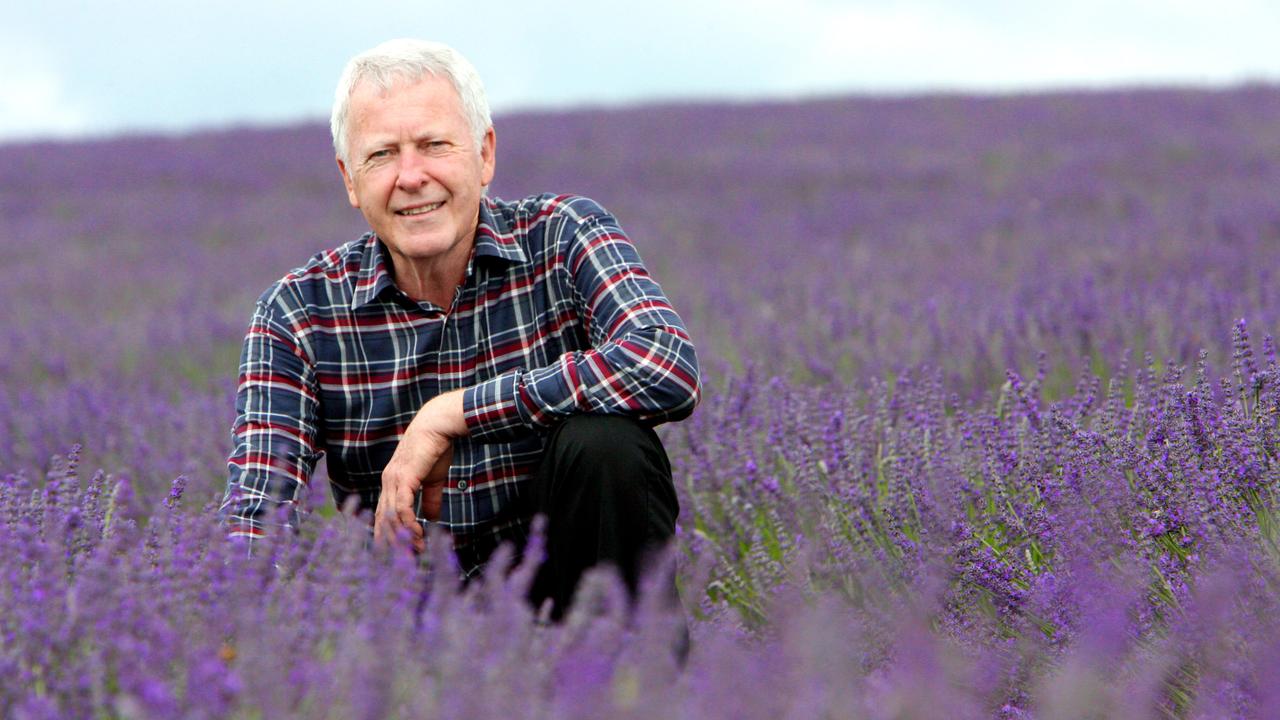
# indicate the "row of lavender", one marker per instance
pixel 877 518
pixel 836 240
pixel 868 554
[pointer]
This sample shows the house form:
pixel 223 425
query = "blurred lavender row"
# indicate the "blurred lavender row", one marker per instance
pixel 984 429
pixel 838 240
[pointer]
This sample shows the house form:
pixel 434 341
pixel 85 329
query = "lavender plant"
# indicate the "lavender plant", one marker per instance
pixel 984 429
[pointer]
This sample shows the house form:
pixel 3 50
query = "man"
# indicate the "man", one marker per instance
pixel 497 359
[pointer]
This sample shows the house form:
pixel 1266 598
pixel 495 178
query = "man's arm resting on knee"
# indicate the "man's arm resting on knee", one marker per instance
pixel 640 363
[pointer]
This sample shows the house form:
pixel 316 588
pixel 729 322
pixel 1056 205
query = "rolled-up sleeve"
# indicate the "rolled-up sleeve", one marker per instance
pixel 641 362
pixel 275 443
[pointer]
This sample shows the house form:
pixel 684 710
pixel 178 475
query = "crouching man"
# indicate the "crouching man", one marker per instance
pixel 469 361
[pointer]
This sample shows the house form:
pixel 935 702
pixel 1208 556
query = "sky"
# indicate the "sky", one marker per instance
pixel 72 68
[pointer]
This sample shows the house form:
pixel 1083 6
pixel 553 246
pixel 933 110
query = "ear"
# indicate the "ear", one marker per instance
pixel 488 155
pixel 346 180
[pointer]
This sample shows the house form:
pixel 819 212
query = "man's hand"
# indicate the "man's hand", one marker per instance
pixel 421 462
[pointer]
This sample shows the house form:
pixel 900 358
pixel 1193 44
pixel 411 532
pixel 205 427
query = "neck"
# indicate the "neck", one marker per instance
pixel 432 279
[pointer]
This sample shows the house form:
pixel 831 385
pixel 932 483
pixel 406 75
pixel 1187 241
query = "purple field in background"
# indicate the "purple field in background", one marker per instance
pixel 984 428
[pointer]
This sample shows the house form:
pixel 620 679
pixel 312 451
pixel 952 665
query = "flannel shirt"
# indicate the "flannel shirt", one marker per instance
pixel 556 316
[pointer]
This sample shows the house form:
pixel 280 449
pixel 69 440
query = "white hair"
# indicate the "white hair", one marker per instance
pixel 409 60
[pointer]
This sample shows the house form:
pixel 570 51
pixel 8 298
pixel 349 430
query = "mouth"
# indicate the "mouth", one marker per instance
pixel 419 209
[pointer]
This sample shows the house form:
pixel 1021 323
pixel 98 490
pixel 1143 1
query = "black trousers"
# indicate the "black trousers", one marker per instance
pixel 606 490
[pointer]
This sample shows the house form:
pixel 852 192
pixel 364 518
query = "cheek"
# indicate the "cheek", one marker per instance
pixel 373 185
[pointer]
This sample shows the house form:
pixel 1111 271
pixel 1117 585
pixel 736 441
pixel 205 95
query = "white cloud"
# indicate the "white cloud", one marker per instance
pixel 141 64
pixel 897 45
pixel 920 45
pixel 34 97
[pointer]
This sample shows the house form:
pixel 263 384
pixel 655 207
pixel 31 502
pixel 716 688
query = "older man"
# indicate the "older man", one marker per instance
pixel 494 359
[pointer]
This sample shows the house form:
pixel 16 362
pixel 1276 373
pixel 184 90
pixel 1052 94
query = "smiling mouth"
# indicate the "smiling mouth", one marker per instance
pixel 419 210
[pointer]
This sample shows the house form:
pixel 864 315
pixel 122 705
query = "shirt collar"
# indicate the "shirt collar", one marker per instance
pixel 494 238
pixel 373 276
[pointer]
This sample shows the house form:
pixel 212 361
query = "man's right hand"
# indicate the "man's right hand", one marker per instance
pixel 395 507
pixel 420 462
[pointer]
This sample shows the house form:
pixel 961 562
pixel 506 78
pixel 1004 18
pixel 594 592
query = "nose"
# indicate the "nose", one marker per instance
pixel 412 175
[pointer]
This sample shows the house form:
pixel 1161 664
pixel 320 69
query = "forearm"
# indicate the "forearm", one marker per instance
pixel 275 438
pixel 650 374
pixel 638 360
pixel 442 417
pixel 257 488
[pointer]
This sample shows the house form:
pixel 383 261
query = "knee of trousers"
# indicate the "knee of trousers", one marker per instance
pixel 606 442
pixel 619 455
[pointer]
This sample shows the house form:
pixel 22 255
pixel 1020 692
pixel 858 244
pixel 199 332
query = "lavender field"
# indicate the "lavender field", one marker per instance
pixel 990 424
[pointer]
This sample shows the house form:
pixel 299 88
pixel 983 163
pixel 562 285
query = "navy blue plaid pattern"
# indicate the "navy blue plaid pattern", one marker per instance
pixel 557 316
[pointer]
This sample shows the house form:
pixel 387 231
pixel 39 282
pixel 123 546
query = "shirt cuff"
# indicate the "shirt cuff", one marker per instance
pixel 493 409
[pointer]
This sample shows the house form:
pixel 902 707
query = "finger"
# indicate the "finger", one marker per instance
pixel 385 533
pixel 402 497
pixel 405 518
pixel 402 515
pixel 431 501
pixel 384 530
pixel 416 531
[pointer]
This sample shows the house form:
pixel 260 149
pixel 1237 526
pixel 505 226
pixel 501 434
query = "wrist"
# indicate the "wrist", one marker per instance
pixel 442 417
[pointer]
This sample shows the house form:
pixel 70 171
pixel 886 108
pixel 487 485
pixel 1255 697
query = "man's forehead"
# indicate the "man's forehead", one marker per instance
pixel 373 107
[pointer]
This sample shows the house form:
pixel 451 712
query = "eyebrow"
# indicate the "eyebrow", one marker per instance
pixel 379 144
pixel 388 141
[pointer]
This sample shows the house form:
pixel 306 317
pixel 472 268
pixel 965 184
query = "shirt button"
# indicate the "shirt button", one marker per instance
pixel 462 484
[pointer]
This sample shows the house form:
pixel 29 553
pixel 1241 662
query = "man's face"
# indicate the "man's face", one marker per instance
pixel 414 170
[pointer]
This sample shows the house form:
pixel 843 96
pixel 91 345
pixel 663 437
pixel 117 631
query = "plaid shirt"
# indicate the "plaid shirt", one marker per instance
pixel 557 316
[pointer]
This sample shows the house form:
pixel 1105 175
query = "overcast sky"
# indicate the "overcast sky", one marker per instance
pixel 73 68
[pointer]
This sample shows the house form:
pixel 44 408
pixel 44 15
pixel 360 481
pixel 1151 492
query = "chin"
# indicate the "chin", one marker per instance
pixel 425 248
